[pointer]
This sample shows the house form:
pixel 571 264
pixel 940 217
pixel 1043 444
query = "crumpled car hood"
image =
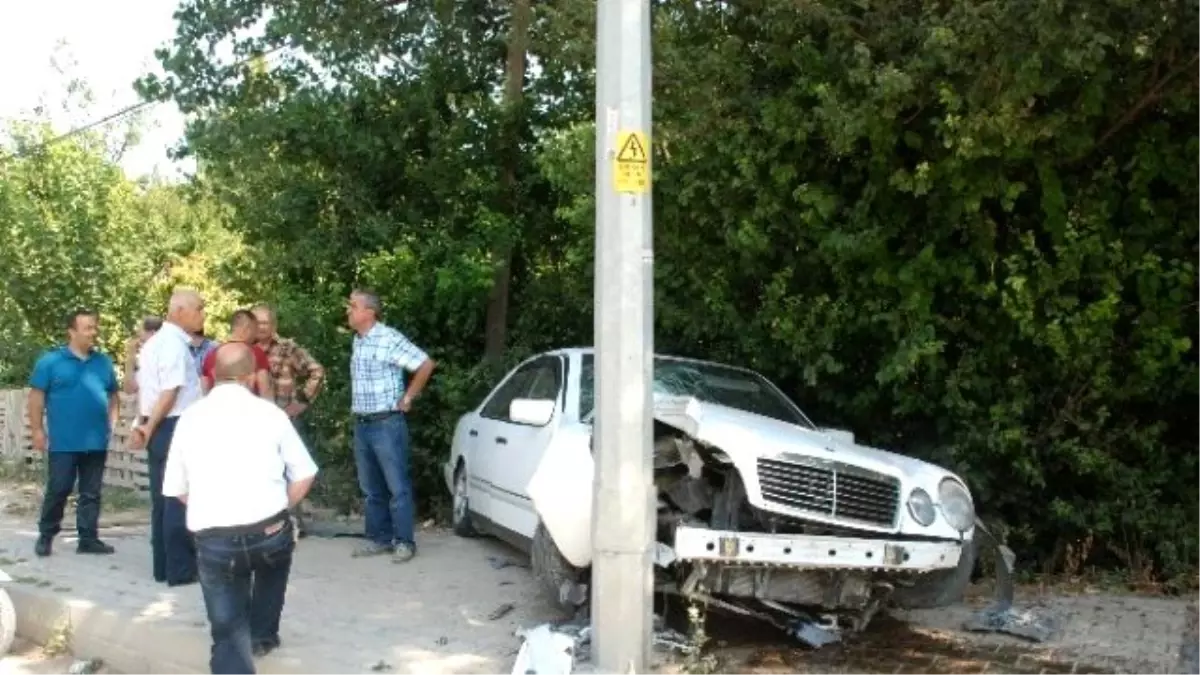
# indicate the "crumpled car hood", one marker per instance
pixel 744 436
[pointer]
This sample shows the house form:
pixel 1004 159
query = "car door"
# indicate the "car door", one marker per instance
pixel 479 436
pixel 510 450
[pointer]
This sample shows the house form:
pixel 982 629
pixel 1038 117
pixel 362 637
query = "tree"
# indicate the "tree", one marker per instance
pixel 954 228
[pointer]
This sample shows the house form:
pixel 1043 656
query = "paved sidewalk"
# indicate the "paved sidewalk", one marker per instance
pixel 445 612
pixel 343 615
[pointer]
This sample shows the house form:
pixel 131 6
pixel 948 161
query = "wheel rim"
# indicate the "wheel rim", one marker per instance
pixel 460 497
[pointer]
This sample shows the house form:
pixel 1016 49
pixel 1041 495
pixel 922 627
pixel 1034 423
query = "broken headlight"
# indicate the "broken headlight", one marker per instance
pixel 920 506
pixel 956 504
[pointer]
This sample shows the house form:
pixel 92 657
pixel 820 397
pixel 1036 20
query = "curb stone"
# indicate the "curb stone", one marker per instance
pixel 127 643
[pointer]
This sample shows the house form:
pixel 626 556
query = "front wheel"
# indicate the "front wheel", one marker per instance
pixel 943 587
pixel 463 526
pixel 561 581
pixel 8 622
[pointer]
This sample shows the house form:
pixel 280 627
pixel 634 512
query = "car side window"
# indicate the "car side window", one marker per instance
pixel 538 379
pixel 548 381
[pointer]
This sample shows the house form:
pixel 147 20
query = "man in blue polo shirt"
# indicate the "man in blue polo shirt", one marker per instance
pixel 76 387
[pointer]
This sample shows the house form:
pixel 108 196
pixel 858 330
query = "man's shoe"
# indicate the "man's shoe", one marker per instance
pixel 42 547
pixel 403 553
pixel 94 547
pixel 261 648
pixel 183 582
pixel 371 548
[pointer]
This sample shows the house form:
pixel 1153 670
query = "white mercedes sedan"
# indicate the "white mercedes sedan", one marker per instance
pixel 757 504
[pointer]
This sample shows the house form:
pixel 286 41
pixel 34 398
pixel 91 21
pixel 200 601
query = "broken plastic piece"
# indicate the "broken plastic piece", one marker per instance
pixel 1001 616
pixel 663 555
pixel 813 634
pixel 545 651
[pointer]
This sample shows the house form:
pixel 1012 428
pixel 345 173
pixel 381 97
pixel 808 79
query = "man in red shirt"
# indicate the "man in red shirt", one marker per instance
pixel 243 327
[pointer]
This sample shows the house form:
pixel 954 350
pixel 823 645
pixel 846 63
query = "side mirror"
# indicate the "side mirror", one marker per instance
pixel 535 411
pixel 841 435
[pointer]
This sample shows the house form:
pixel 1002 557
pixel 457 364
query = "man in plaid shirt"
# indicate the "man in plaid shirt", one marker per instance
pixel 297 378
pixel 380 398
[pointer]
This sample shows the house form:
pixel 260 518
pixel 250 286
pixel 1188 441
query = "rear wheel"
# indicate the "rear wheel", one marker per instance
pixel 562 582
pixel 461 518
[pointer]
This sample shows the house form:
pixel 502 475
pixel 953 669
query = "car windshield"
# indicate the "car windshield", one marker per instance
pixel 708 382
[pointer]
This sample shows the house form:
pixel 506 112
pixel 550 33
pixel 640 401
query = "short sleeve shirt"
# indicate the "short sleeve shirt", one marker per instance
pixel 77 391
pixel 232 428
pixel 378 361
pixel 165 362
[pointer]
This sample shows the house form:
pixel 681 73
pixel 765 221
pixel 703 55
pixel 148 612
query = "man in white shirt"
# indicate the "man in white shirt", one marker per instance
pixel 239 464
pixel 168 383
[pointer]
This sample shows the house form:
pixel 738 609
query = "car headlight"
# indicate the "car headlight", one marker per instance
pixel 956 504
pixel 920 506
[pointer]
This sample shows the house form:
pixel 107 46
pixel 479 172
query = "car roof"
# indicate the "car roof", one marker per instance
pixel 568 351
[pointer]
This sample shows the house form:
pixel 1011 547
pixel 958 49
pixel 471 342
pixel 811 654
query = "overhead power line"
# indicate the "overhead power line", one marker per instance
pixel 128 110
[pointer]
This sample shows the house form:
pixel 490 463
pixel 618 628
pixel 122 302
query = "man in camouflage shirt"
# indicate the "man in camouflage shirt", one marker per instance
pixel 297 376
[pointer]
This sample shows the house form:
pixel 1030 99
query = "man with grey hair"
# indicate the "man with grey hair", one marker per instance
pixel 380 399
pixel 168 382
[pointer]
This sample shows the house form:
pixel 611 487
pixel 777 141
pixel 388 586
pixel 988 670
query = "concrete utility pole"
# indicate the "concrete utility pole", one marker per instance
pixel 623 513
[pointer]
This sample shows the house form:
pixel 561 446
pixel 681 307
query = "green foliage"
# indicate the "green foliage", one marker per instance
pixel 966 230
pixel 78 233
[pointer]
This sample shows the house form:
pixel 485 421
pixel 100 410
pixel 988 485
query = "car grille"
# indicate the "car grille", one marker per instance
pixel 831 489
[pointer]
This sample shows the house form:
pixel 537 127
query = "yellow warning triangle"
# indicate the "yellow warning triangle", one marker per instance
pixel 632 151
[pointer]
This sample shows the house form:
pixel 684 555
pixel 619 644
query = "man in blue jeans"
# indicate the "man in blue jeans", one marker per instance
pixel 76 387
pixel 238 464
pixel 380 400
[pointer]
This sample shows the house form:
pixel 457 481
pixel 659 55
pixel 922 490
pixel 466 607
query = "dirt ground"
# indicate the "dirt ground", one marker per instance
pixel 454 609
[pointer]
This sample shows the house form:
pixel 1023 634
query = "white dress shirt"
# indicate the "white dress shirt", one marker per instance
pixel 233 455
pixel 165 362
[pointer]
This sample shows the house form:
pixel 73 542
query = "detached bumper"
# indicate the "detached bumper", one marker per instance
pixel 807 551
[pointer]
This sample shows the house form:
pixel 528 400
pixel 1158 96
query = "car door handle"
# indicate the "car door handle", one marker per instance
pixel 500 440
pixel 472 433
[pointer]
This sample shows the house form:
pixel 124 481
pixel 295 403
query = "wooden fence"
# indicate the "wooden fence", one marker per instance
pixel 124 468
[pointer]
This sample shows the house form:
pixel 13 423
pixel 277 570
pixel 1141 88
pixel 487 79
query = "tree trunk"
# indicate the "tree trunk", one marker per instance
pixel 514 86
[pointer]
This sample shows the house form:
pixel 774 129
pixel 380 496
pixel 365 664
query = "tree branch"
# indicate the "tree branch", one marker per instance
pixel 1149 98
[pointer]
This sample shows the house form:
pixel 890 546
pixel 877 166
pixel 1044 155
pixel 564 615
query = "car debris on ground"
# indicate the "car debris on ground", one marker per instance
pixel 560 649
pixel 1031 623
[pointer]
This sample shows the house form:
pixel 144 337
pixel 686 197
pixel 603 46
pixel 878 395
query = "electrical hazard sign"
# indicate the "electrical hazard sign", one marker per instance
pixel 631 166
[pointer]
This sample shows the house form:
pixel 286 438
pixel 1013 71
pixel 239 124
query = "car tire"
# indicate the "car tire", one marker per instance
pixel 461 505
pixel 560 581
pixel 941 588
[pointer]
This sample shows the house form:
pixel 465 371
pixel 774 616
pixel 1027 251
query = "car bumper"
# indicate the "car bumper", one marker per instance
pixel 448 474
pixel 810 551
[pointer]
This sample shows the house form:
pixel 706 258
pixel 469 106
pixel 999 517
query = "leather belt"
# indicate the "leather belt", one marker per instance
pixel 143 419
pixel 268 526
pixel 376 416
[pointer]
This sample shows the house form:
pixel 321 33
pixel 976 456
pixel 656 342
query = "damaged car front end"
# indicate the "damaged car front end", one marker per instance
pixel 762 513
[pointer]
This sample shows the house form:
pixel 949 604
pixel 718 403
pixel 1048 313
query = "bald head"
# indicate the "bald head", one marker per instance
pixel 233 362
